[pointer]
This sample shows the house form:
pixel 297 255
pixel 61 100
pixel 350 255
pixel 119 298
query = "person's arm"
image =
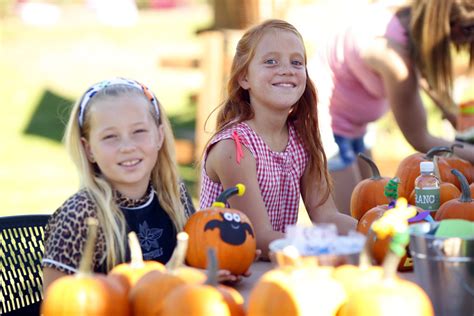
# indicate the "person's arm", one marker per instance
pixel 446 110
pixel 221 166
pixel 50 275
pixel 326 212
pixel 402 90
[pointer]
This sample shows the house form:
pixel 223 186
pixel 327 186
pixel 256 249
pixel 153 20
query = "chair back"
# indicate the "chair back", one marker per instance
pixel 21 246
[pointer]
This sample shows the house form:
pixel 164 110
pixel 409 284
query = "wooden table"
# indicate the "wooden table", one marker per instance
pixel 260 267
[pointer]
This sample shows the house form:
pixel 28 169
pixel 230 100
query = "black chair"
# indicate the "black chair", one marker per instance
pixel 21 245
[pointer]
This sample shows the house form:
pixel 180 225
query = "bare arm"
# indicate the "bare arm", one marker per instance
pixel 49 276
pixel 221 166
pixel 402 89
pixel 326 212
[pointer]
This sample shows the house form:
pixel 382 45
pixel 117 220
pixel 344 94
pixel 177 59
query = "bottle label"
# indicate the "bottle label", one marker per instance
pixel 427 199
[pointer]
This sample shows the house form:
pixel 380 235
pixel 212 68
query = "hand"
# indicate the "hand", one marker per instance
pixel 225 276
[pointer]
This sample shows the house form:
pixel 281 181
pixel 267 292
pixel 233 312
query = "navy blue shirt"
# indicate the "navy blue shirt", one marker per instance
pixel 154 228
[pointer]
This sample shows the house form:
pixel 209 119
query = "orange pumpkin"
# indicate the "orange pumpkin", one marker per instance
pixel 389 293
pixel 368 193
pixel 462 208
pixel 129 273
pixel 85 293
pixel 204 299
pixel 409 169
pixel 382 298
pixel 297 287
pixel 447 190
pixel 379 246
pixel 354 278
pixel 149 293
pixel 229 231
pixel 464 166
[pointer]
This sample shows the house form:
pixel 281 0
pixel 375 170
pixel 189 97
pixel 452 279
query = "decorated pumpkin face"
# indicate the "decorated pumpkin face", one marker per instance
pixel 229 231
pixel 232 230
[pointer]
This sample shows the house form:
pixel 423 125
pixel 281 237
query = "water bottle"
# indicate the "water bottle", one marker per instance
pixel 427 188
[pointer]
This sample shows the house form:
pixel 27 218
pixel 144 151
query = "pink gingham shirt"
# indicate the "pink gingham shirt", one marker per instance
pixel 278 174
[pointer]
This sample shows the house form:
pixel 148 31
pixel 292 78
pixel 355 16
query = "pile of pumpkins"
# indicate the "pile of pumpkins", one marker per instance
pixel 214 238
pixel 369 200
pixel 298 286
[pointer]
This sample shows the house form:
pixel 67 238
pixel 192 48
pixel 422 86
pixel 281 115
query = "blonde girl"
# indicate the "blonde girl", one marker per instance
pixel 122 144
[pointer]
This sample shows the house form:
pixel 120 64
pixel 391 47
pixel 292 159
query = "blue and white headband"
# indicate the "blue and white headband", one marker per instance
pixel 89 94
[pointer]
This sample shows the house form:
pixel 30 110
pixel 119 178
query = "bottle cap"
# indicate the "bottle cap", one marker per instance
pixel 426 166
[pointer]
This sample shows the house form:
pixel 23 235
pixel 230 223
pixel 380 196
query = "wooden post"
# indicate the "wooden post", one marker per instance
pixel 218 52
pixel 211 94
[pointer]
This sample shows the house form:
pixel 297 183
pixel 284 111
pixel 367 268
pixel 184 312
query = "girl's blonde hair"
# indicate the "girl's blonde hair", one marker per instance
pixel 164 177
pixel 236 108
pixel 430 31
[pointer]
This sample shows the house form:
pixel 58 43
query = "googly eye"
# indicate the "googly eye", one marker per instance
pixel 236 217
pixel 228 216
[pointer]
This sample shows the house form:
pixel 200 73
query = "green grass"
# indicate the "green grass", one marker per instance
pixel 43 70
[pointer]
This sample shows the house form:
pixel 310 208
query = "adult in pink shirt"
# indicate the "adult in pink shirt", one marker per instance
pixel 379 62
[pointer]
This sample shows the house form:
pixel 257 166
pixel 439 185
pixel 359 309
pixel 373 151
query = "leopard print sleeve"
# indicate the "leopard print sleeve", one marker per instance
pixel 186 200
pixel 66 232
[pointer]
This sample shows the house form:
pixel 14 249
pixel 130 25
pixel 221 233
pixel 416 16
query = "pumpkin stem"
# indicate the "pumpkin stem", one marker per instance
pixel 238 189
pixel 436 167
pixel 455 145
pixel 436 150
pixel 85 266
pixel 179 253
pixel 465 191
pixel 373 166
pixel 136 255
pixel 212 267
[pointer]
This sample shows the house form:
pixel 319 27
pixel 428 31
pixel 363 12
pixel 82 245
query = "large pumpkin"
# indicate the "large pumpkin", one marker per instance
pixel 368 193
pixel 462 208
pixel 85 293
pixel 229 231
pixel 409 169
pixel 297 287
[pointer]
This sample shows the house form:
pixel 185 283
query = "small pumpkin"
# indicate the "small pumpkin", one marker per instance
pixel 462 208
pixel 227 230
pixel 149 293
pixel 85 293
pixel 379 246
pixel 368 193
pixel 409 169
pixel 204 299
pixel 129 273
